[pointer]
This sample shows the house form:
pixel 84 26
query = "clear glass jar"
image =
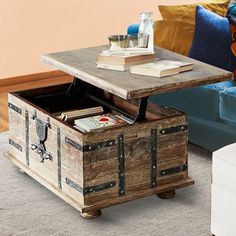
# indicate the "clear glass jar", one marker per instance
pixel 146 27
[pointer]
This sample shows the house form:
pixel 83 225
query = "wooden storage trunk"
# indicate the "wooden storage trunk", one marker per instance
pixel 94 170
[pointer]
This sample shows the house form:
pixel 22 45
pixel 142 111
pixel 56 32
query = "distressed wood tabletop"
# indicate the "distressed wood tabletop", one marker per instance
pixel 81 63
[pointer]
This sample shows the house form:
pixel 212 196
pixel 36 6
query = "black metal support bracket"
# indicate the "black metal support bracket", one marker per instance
pixel 142 109
pixel 87 90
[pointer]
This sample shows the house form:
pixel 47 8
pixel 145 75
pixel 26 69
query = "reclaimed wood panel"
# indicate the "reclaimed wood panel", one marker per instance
pixel 81 63
pixel 88 168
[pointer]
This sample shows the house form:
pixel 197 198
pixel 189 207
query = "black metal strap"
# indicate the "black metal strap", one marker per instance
pixel 59 157
pixel 153 158
pixel 90 147
pixel 174 129
pixel 174 170
pixel 15 145
pixel 14 108
pixel 27 137
pixel 91 189
pixel 121 165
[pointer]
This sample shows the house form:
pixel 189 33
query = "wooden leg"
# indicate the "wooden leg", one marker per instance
pixel 92 214
pixel 3 112
pixel 168 194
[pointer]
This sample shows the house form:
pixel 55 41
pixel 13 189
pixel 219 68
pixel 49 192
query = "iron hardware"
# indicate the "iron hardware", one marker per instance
pixel 174 129
pixel 42 133
pixel 174 170
pixel 14 108
pixel 92 189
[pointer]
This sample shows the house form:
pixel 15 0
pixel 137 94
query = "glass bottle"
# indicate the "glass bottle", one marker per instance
pixel 146 27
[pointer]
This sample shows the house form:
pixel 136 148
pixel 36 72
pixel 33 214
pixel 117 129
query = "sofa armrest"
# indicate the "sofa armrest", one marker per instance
pixel 202 102
pixel 227 106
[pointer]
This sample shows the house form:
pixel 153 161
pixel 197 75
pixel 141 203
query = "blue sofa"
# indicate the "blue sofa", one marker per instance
pixel 211 110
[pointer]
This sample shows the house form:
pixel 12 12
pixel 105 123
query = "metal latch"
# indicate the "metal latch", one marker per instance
pixel 42 133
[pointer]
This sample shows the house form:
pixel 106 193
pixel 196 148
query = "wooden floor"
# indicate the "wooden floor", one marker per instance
pixel 25 82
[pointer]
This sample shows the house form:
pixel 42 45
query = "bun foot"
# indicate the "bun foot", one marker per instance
pixel 166 195
pixel 91 214
pixel 21 171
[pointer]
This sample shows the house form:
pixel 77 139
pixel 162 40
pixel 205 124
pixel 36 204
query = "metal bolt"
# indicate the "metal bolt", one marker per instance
pixel 33 147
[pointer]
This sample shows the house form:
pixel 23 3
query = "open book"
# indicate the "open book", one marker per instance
pixel 161 68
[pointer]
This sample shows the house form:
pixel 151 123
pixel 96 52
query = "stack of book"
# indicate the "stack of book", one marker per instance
pixel 98 122
pixel 161 68
pixel 122 61
pixel 81 113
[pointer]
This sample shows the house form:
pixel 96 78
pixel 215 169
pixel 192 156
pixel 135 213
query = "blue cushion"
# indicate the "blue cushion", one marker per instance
pixel 232 8
pixel 212 40
pixel 202 102
pixel 133 29
pixel 227 105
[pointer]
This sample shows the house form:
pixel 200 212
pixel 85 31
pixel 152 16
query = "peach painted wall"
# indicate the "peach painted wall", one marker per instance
pixel 30 28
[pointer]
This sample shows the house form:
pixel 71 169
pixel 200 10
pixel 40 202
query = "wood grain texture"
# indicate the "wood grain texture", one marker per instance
pixel 82 64
pixel 102 204
pixel 3 112
pixel 86 169
pixel 25 82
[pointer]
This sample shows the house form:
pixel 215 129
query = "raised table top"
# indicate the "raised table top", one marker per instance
pixel 81 63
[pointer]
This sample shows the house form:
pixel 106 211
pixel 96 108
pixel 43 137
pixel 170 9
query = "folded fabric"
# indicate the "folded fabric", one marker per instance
pixel 212 40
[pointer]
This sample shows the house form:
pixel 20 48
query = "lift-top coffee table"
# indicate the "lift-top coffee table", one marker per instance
pixel 97 169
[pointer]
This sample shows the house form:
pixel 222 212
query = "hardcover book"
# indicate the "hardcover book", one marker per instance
pixel 81 113
pixel 161 68
pixel 125 59
pixel 122 61
pixel 98 122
